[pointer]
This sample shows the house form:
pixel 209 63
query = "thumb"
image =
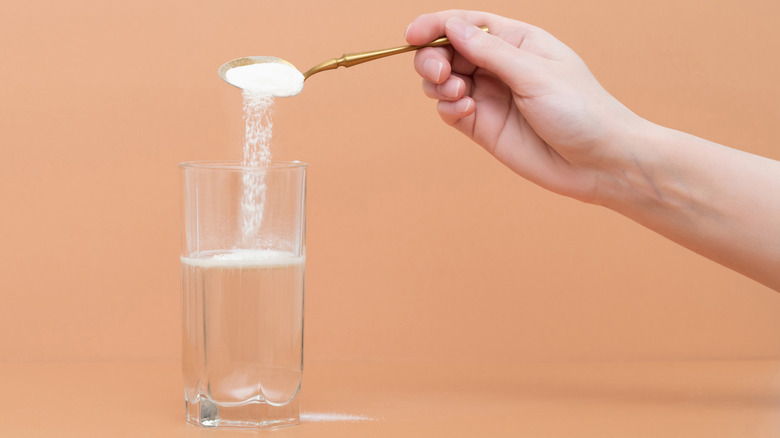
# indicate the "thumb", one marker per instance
pixel 512 65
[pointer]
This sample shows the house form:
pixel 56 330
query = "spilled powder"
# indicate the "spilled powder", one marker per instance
pixel 332 417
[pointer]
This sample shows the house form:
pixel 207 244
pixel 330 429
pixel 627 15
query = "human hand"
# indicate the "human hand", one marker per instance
pixel 531 102
pixel 526 98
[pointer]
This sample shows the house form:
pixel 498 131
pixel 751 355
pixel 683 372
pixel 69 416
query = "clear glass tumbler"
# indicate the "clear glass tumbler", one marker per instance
pixel 242 280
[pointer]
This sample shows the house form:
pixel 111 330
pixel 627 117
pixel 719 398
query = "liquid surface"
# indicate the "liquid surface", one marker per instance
pixel 244 258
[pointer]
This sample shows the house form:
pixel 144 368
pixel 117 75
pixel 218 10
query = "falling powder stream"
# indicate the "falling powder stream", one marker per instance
pixel 260 81
pixel 258 111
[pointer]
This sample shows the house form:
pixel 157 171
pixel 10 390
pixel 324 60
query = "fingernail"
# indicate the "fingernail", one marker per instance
pixel 461 28
pixel 407 30
pixel 450 90
pixel 432 69
pixel 464 105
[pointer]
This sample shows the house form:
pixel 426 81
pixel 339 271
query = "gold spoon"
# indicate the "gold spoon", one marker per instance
pixel 346 60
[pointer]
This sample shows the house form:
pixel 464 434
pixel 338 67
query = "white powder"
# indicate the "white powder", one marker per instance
pixel 244 258
pixel 267 78
pixel 261 82
pixel 258 132
pixel 333 417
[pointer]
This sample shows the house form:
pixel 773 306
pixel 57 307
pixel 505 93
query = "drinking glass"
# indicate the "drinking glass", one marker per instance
pixel 242 281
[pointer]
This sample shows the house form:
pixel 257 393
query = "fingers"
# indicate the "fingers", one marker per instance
pixel 498 51
pixel 456 111
pixel 433 63
pixel 454 88
pixel 428 27
pixel 507 61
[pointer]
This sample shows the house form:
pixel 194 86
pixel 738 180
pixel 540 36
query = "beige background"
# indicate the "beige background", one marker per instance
pixel 420 246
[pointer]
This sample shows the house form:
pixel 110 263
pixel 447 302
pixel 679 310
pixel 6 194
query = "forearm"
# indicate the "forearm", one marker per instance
pixel 719 202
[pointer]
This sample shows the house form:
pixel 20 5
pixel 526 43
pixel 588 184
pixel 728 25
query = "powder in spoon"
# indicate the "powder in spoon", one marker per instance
pixel 267 78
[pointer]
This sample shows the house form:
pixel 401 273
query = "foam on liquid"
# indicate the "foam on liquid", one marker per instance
pixel 244 258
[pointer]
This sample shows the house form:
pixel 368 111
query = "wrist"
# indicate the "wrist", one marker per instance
pixel 627 178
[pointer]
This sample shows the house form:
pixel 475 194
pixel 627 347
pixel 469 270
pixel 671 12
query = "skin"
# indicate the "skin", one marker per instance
pixel 532 103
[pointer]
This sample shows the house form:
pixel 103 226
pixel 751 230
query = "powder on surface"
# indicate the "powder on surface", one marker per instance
pixel 268 78
pixel 334 417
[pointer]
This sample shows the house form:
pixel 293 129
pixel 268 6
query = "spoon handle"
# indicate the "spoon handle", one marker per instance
pixel 350 59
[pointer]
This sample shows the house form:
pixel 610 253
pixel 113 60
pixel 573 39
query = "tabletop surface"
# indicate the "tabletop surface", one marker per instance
pixel 571 399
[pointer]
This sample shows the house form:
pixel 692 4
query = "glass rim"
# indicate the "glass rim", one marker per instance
pixel 236 165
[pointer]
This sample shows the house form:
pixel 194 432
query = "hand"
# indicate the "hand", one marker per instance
pixel 531 102
pixel 525 97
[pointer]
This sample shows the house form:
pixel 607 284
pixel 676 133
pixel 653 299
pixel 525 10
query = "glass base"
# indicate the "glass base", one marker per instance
pixel 204 412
